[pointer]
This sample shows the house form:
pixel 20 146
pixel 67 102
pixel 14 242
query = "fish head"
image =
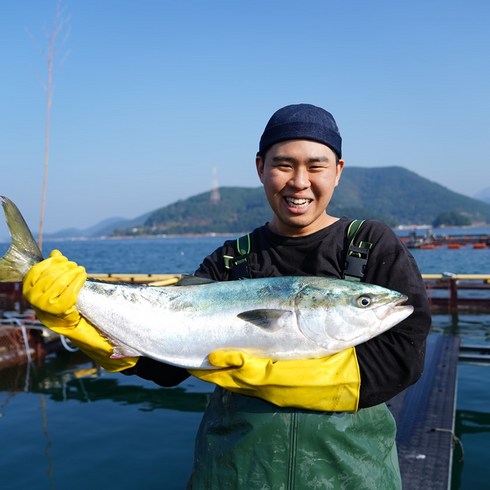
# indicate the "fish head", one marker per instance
pixel 350 313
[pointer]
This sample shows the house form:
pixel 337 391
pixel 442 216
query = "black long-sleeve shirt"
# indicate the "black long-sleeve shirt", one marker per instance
pixel 388 363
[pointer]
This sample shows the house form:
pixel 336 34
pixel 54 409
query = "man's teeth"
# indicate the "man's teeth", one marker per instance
pixel 297 202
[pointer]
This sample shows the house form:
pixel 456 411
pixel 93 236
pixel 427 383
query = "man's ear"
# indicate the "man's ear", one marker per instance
pixel 340 167
pixel 259 164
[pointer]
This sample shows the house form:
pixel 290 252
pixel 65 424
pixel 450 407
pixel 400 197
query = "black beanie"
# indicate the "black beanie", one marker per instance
pixel 301 121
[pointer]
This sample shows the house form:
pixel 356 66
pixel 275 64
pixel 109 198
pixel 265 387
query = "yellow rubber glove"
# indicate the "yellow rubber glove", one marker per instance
pixel 52 288
pixel 328 384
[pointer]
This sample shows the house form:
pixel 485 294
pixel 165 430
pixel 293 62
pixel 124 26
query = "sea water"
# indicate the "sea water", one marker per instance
pixel 66 425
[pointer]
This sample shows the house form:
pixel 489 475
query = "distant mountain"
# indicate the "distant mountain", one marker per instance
pixel 392 194
pixel 96 230
pixel 104 228
pixel 483 195
pixel 107 229
pixel 400 196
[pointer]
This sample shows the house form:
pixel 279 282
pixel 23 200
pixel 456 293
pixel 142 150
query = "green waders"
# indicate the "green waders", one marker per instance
pixel 247 443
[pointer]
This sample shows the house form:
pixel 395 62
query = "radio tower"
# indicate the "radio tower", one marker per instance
pixel 215 197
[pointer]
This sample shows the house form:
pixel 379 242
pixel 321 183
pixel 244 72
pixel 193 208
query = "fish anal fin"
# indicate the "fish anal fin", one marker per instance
pixel 120 352
pixel 268 319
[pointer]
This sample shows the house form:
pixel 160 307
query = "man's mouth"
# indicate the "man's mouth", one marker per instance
pixel 296 202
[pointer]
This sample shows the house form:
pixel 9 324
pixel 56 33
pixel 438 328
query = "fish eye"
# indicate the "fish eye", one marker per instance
pixel 364 301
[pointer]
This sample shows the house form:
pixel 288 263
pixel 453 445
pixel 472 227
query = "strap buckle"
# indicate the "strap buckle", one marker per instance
pixel 355 263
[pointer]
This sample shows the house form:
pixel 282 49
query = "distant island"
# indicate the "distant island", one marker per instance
pixel 394 195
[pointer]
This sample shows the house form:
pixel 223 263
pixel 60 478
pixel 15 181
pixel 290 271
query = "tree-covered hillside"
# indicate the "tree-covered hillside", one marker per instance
pixel 239 209
pixel 392 194
pixel 399 196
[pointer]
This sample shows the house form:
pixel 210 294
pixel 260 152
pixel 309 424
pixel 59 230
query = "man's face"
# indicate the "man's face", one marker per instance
pixel 299 177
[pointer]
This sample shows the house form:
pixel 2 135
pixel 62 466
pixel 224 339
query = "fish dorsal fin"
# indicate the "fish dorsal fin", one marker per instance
pixel 190 280
pixel 268 319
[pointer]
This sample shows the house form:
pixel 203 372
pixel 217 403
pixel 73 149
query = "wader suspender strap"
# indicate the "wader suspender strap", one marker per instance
pixel 238 266
pixel 357 255
pixel 355 262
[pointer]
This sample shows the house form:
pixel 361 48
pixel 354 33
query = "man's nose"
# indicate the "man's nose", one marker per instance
pixel 300 179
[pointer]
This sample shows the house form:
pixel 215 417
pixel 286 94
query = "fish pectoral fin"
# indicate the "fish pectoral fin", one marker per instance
pixel 268 319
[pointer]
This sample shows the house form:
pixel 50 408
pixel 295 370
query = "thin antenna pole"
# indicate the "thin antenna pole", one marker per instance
pixel 58 24
pixel 49 92
pixel 215 195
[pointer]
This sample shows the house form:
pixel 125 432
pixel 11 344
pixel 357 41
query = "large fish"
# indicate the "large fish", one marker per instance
pixel 276 318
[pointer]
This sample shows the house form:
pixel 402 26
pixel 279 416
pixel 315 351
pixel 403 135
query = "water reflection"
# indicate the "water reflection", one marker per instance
pixel 472 422
pixel 73 377
pixel 77 427
pixel 469 468
pixel 473 328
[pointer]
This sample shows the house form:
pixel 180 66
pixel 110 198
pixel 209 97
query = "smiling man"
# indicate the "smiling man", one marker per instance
pixel 340 433
pixel 299 178
pixel 299 173
pixel 312 423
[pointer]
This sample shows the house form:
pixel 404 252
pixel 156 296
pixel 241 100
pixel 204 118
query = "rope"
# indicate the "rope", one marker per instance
pixel 456 439
pixel 65 342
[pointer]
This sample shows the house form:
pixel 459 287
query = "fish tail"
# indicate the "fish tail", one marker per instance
pixel 23 252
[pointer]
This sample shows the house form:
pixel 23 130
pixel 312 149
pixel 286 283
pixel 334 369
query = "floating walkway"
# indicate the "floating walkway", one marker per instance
pixel 425 415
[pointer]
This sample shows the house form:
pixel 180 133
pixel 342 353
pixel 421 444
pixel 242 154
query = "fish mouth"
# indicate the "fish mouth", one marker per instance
pixel 401 301
pixel 400 306
pixel 398 309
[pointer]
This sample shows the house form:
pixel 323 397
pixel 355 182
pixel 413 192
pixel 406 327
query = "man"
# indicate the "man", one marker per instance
pixel 315 423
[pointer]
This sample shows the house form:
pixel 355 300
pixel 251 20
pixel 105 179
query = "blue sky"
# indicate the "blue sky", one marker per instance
pixel 151 95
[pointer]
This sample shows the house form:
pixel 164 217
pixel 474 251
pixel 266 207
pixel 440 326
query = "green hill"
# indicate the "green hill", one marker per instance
pixel 391 194
pixel 399 196
pixel 239 209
